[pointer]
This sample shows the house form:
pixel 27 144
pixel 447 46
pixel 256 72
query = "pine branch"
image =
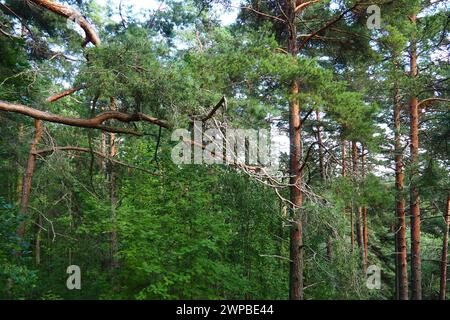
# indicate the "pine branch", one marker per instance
pixel 93 123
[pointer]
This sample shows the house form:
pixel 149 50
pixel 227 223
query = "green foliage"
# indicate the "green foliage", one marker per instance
pixel 16 278
pixel 211 231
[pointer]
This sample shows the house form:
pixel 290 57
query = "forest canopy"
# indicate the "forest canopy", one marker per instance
pixel 348 199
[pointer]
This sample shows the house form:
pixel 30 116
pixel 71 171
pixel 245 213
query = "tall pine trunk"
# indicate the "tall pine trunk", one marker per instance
pixel 400 230
pixel 358 210
pixel 20 175
pixel 344 156
pixel 113 197
pixel 329 243
pixel 444 259
pixel 352 228
pixel 296 232
pixel 37 241
pixel 28 177
pixel 113 203
pixel 416 263
pixel 319 141
pixel 364 214
pixel 359 235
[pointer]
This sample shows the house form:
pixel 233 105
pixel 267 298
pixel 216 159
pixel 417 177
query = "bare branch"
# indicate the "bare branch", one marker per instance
pixel 63 94
pixel 306 116
pixel 69 13
pixel 427 102
pixel 302 6
pixel 94 123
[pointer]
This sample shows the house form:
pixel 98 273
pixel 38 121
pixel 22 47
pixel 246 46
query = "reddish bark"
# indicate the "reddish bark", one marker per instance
pixel 444 259
pixel 63 94
pixel 296 234
pixel 400 230
pixel 93 123
pixel 416 263
pixel 66 12
pixel 300 5
pixel 28 176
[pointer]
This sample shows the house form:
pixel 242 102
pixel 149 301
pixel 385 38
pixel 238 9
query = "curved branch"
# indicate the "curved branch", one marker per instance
pixel 426 102
pixel 304 5
pixel 69 13
pixel 93 123
pixel 63 94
